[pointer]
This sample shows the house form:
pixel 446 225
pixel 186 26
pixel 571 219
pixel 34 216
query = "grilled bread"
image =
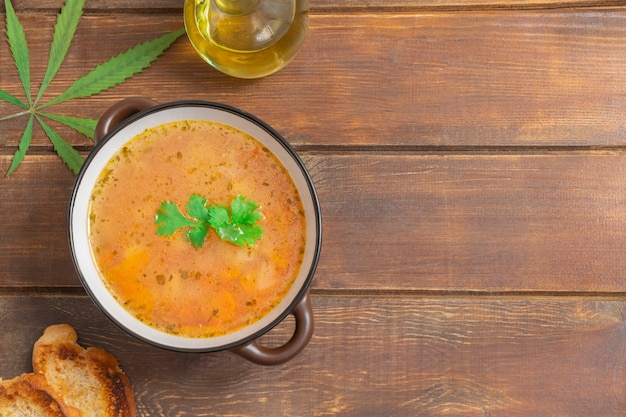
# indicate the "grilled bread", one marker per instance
pixel 88 380
pixel 28 396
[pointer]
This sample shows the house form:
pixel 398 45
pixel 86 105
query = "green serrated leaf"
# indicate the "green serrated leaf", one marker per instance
pixel 66 152
pixel 27 136
pixel 64 30
pixel 218 216
pixel 19 47
pixel 196 208
pixel 85 126
pixel 197 235
pixel 12 99
pixel 104 76
pixel 250 234
pixel 117 69
pixel 237 226
pixel 243 211
pixel 169 219
pixel 202 217
pixel 230 233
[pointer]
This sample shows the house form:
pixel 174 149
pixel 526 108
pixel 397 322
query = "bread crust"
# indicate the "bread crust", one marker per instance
pixel 28 395
pixel 89 380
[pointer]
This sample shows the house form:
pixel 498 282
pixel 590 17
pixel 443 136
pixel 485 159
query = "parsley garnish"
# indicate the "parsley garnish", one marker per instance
pixel 236 224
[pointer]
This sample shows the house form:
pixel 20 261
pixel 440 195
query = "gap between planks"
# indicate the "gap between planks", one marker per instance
pixel 74 291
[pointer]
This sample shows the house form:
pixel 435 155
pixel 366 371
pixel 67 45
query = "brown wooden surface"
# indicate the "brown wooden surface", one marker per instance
pixel 469 160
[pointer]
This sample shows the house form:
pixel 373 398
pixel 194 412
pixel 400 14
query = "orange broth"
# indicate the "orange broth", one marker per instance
pixel 165 281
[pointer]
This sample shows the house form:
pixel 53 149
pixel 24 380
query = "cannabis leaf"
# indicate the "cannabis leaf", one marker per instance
pixel 104 76
pixel 236 224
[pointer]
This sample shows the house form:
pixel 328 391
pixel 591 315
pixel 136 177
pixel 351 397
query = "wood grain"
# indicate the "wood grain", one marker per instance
pixel 452 80
pixel 34 245
pixel 469 160
pixel 552 222
pixel 372 356
pixel 332 5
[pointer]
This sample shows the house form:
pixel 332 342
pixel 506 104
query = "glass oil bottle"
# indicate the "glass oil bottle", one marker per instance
pixel 247 38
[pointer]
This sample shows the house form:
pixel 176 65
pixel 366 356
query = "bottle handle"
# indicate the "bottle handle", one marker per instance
pixel 261 355
pixel 120 111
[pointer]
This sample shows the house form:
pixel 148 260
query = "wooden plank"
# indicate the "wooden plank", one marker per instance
pixel 34 248
pixel 551 222
pixel 332 5
pixel 372 356
pixel 482 222
pixel 451 80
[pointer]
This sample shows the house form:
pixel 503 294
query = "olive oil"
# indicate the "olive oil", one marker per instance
pixel 247 38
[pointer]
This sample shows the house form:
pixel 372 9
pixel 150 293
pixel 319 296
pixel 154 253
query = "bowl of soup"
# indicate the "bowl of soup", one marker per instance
pixel 195 226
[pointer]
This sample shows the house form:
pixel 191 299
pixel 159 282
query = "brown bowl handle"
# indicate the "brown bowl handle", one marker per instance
pixel 262 355
pixel 120 111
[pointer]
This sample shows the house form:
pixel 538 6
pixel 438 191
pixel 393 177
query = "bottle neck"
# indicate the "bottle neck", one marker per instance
pixel 237 7
pixel 249 25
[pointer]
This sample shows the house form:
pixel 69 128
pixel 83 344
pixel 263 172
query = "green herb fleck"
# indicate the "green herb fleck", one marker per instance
pixel 236 224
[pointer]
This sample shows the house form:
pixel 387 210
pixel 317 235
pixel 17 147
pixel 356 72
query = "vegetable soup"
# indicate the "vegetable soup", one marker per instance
pixel 167 282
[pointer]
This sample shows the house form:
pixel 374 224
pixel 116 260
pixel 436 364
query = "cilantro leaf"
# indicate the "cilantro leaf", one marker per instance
pixel 250 234
pixel 196 208
pixel 220 220
pixel 244 211
pixel 219 216
pixel 237 225
pixel 169 219
pixel 197 235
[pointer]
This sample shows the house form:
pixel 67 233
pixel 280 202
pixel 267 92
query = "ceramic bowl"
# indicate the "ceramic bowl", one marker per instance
pixel 123 122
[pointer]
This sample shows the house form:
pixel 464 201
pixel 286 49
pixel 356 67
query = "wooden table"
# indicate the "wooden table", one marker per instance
pixel 469 159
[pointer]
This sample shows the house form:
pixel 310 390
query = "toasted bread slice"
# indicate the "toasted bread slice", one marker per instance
pixel 89 380
pixel 27 396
